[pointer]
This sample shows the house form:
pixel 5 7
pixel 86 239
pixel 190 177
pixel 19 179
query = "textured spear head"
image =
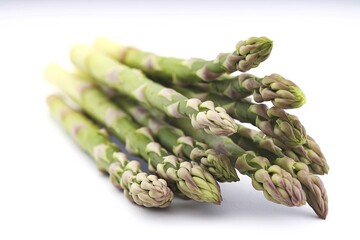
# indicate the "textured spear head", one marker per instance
pixel 139 187
pixel 319 164
pixel 280 91
pixel 317 169
pixel 203 115
pixel 219 166
pixel 315 192
pixel 252 52
pixel 285 127
pixel 288 126
pixel 277 185
pixel 213 120
pixel 150 191
pixel 312 185
pixel 192 180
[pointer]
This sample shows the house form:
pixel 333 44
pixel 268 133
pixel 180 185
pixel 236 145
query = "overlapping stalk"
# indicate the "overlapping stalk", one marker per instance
pixel 139 187
pixel 282 130
pixel 313 186
pixel 274 122
pixel 272 148
pixel 248 54
pixel 192 180
pixel 182 146
pixel 281 92
pixel 248 162
pixel 135 84
pixel 276 183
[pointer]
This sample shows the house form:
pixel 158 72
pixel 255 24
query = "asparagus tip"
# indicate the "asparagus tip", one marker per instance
pixel 300 98
pixel 254 50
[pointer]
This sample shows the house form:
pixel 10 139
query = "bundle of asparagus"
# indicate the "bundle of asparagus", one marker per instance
pixel 189 131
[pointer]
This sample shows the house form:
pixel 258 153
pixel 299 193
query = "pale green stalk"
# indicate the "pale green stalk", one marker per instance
pixel 248 54
pixel 281 92
pixel 139 187
pixel 136 85
pixel 182 146
pixel 192 180
pixel 274 122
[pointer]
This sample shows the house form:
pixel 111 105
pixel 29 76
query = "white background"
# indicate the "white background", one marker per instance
pixel 51 190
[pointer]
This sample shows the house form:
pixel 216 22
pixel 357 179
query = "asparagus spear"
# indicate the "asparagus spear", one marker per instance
pixel 285 129
pixel 275 88
pixel 248 54
pixel 283 93
pixel 277 184
pixel 312 185
pixel 182 146
pixel 287 171
pixel 192 180
pixel 134 84
pixel 139 187
pixel 252 139
pixel 274 122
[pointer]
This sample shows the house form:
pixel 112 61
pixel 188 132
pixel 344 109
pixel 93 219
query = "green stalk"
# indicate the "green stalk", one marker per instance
pixel 282 130
pixel 272 148
pixel 293 179
pixel 274 122
pixel 276 183
pixel 139 187
pixel 136 85
pixel 192 180
pixel 248 54
pixel 182 146
pixel 281 92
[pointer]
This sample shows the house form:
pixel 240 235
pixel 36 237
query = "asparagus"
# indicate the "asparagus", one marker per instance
pixel 313 186
pixel 252 139
pixel 139 187
pixel 182 146
pixel 133 83
pixel 277 184
pixel 248 163
pixel 275 88
pixel 248 54
pixel 192 180
pixel 274 122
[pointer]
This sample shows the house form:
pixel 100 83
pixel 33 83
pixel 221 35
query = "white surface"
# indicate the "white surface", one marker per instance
pixel 51 190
